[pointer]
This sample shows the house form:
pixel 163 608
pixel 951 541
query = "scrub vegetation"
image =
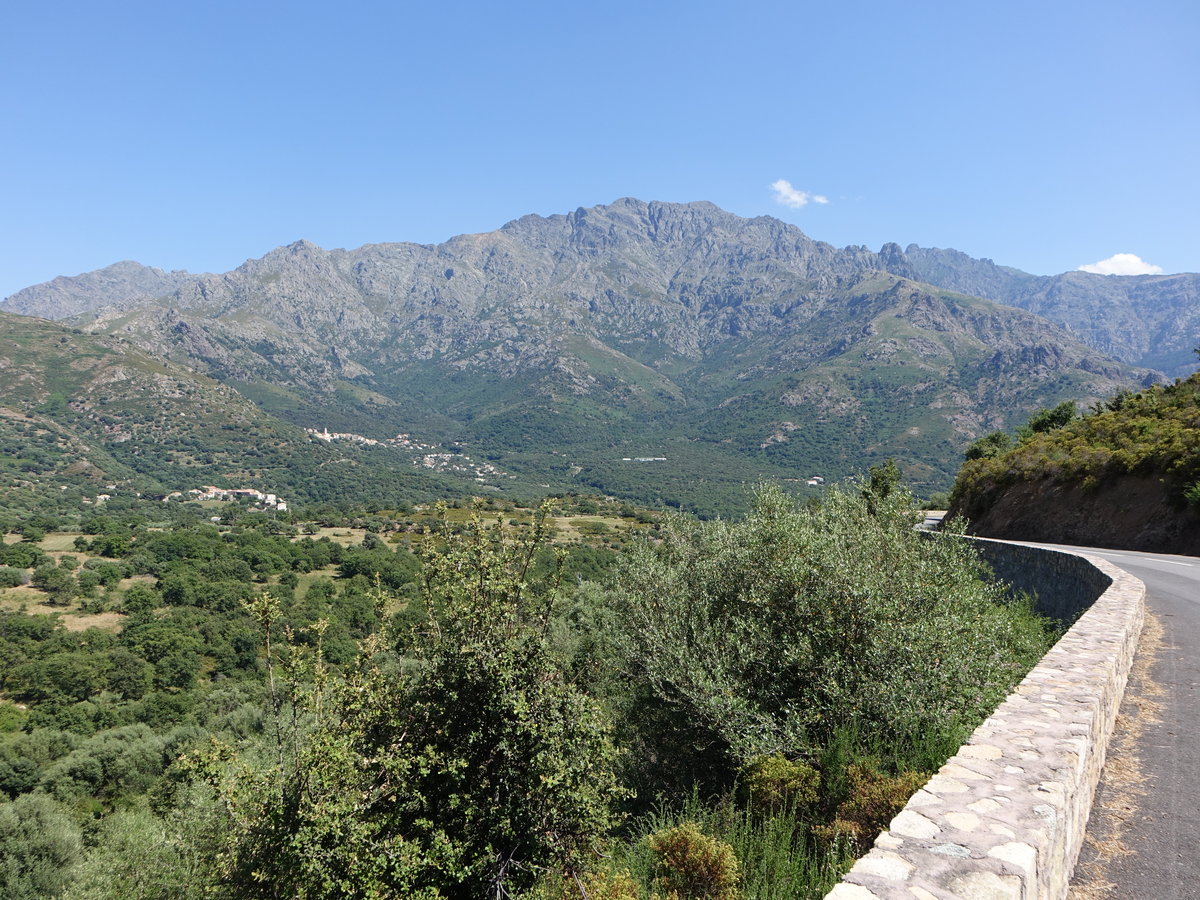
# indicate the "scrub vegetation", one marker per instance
pixel 575 700
pixel 1153 432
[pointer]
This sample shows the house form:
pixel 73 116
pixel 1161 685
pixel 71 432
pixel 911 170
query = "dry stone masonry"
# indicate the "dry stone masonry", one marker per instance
pixel 1004 818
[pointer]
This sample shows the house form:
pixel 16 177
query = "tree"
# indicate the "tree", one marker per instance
pixel 989 446
pixel 39 846
pixel 882 482
pixel 1045 420
pixel 33 533
pixel 55 581
pixel 773 634
pixel 467 772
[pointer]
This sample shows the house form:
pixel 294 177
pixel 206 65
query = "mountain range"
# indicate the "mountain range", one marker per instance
pixel 564 349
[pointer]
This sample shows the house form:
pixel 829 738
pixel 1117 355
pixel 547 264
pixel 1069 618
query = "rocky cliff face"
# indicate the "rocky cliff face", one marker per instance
pixel 121 284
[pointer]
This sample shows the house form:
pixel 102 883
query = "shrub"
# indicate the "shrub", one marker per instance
pixel 11 577
pixel 694 866
pixel 595 885
pixel 775 783
pixel 875 799
pixel 989 446
pixel 466 772
pixel 39 846
pixel 762 637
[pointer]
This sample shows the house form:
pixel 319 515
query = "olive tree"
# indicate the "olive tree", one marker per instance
pixel 772 634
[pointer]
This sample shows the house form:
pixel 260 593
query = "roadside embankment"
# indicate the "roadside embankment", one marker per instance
pixel 1004 818
pixel 1132 512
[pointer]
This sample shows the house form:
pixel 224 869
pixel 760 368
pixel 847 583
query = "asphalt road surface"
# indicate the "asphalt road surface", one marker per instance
pixel 1162 826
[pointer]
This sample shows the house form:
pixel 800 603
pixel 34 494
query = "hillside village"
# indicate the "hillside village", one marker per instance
pixel 427 456
pixel 209 492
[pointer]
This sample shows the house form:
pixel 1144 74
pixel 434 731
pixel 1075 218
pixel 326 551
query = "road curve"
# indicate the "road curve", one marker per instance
pixel 1163 828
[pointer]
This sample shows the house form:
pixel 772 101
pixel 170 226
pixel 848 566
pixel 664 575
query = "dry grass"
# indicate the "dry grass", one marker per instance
pixel 61 542
pixel 126 583
pixel 13 599
pixel 33 602
pixel 307 579
pixel 107 621
pixel 347 537
pixel 1122 783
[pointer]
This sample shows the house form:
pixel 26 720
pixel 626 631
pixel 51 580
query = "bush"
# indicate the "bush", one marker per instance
pixel 11 577
pixel 775 783
pixel 467 772
pixel 694 866
pixel 1045 420
pixel 596 885
pixel 989 446
pixel 1153 432
pixel 875 799
pixel 39 846
pixel 762 637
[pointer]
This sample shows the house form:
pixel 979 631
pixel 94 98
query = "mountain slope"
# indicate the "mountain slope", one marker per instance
pixel 85 414
pixel 563 345
pixel 1145 320
pixel 122 283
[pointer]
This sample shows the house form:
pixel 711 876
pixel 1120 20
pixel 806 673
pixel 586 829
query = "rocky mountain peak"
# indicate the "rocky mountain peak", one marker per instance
pixel 629 323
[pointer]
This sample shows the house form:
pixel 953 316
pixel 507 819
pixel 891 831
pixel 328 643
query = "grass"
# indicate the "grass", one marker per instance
pixel 106 621
pixel 347 537
pixel 30 599
pixel 308 579
pixel 778 858
pixel 62 542
pixel 33 602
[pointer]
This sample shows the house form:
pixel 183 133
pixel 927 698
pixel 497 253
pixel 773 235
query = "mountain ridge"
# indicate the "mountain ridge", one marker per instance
pixel 1145 320
pixel 620 331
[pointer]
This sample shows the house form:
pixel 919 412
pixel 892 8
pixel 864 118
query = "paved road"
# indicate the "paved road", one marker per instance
pixel 1163 830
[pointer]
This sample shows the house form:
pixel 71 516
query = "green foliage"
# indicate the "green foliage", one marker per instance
pixel 1192 493
pixel 467 772
pixel 39 845
pixel 989 446
pixel 1045 420
pixel 694 866
pixel 765 636
pixel 55 581
pixel 776 858
pixel 881 482
pixel 443 723
pixel 874 800
pixel 599 884
pixel 1154 432
pixel 775 783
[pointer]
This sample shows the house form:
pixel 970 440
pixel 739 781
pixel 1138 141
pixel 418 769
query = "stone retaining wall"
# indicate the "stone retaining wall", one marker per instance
pixel 1065 584
pixel 1004 818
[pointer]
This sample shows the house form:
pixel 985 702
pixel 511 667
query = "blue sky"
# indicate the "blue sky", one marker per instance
pixel 1043 135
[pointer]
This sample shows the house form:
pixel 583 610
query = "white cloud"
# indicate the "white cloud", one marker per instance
pixel 1122 264
pixel 787 195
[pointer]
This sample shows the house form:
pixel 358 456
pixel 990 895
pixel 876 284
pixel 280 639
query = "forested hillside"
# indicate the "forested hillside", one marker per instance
pixel 83 416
